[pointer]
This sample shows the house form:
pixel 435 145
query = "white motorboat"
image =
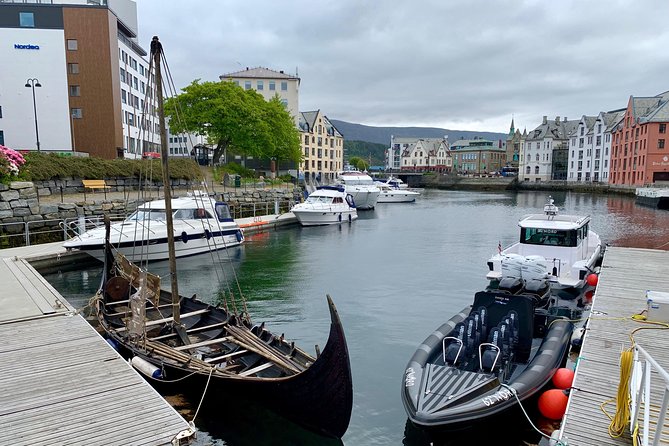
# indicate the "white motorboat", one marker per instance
pixel 361 186
pixel 200 225
pixel 396 183
pixel 325 206
pixel 561 248
pixel 391 195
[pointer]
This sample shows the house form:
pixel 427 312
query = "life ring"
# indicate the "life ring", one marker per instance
pixel 184 237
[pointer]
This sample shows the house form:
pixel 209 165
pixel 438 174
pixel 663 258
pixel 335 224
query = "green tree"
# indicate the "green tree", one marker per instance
pixel 358 163
pixel 234 119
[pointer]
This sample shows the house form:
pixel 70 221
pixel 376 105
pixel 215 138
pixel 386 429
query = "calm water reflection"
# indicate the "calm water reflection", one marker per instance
pixel 395 275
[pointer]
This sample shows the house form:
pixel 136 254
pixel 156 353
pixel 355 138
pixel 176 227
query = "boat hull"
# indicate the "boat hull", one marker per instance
pixel 398 196
pixel 467 397
pixel 364 198
pixel 319 398
pixel 316 217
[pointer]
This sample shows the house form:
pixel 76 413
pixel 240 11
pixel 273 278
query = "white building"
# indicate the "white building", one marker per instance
pixel 93 94
pixel 540 146
pixel 590 147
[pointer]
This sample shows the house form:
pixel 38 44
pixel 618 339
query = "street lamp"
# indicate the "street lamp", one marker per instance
pixel 32 83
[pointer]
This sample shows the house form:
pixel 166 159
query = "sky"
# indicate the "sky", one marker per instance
pixel 455 64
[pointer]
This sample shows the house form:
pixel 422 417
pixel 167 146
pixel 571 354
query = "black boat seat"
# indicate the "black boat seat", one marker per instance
pixel 511 320
pixel 505 337
pixel 490 352
pixel 453 345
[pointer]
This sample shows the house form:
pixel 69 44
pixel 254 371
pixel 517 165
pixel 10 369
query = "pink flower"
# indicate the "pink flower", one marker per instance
pixel 14 159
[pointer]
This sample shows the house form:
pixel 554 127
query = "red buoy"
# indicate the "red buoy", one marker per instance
pixel 553 404
pixel 592 279
pixel 563 378
pixel 588 296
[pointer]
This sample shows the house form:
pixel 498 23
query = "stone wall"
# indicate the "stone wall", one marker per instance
pixel 67 186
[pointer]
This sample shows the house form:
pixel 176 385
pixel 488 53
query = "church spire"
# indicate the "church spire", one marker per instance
pixel 512 130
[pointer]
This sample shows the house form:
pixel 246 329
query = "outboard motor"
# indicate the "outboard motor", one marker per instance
pixel 535 273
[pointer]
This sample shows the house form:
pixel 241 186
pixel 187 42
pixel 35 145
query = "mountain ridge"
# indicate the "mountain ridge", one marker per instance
pixel 381 135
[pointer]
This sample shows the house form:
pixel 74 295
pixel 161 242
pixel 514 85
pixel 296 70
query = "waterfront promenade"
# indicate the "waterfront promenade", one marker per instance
pixel 60 382
pixel 625 276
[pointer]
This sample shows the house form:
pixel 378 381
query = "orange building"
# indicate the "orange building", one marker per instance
pixel 640 150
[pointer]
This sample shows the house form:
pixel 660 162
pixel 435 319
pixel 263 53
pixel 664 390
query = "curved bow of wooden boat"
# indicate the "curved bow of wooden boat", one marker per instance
pixel 321 397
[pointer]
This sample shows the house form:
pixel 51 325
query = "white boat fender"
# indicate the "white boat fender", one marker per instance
pixel 146 367
pixel 577 337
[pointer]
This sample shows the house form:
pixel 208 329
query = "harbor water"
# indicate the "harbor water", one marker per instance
pixel 395 274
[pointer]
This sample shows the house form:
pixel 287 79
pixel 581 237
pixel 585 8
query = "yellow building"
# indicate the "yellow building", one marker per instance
pixel 322 147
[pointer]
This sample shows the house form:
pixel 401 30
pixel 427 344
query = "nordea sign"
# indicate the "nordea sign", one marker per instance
pixel 18 46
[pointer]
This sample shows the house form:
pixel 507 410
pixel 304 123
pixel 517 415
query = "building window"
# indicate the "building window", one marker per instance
pixel 26 20
pixel 536 170
pixel 123 76
pixel 2 138
pixel 663 128
pixel 72 45
pixel 272 86
pixel 660 143
pixel 247 85
pixel 124 96
pixel 73 68
pixel 76 113
pixel 75 90
pixel 260 85
pixel 0 111
pixel 284 86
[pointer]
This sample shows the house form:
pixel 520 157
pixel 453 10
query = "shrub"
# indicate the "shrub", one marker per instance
pixel 10 162
pixel 46 166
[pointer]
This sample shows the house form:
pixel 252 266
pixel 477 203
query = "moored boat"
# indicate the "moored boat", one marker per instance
pixel 201 224
pixel 503 348
pixel 391 195
pixel 325 206
pixel 654 197
pixel 561 246
pixel 361 186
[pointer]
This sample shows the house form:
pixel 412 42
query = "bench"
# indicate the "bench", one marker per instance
pixel 95 184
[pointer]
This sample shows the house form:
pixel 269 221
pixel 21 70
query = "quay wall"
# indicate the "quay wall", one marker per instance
pixel 512 183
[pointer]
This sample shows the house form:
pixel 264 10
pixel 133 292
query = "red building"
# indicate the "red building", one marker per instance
pixel 640 150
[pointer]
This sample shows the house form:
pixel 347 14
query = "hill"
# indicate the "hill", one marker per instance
pixel 381 135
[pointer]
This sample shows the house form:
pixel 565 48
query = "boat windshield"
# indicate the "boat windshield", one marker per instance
pixel 549 237
pixel 358 181
pixel 148 214
pixel 319 199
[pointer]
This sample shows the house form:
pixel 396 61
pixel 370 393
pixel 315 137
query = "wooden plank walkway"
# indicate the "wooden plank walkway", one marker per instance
pixel 60 382
pixel 625 276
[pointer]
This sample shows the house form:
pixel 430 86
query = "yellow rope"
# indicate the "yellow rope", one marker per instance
pixel 621 419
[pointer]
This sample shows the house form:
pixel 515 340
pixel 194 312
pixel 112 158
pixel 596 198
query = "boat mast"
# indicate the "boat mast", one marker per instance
pixel 156 51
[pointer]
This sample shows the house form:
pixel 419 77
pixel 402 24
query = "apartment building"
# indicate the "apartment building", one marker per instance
pixel 544 154
pixel 322 147
pixel 419 154
pixel 478 156
pixel 270 83
pixel 89 75
pixel 590 147
pixel 640 153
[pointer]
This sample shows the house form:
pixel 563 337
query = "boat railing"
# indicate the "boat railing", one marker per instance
pixel 443 347
pixel 277 207
pixel 642 395
pixel 35 232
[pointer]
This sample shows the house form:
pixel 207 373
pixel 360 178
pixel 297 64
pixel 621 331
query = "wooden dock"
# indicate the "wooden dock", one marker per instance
pixel 625 277
pixel 60 382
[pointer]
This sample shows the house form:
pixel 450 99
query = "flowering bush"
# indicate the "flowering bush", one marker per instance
pixel 10 161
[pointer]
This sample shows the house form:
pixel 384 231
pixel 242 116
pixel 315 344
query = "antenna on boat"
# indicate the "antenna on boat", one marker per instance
pixel 550 209
pixel 156 51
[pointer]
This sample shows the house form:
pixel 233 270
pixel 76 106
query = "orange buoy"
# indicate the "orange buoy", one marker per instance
pixel 588 296
pixel 563 378
pixel 553 404
pixel 592 279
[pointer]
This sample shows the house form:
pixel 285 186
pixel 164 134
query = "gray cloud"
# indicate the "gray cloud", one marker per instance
pixel 467 64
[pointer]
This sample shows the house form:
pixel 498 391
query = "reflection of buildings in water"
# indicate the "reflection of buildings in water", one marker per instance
pixel 639 226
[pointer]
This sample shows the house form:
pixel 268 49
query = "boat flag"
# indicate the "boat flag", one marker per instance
pixel 499 247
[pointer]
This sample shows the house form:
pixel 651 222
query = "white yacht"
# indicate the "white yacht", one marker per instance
pixel 200 225
pixel 561 248
pixel 326 205
pixel 391 195
pixel 361 186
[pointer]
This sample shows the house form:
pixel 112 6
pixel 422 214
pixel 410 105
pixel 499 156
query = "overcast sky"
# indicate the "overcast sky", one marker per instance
pixel 462 65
